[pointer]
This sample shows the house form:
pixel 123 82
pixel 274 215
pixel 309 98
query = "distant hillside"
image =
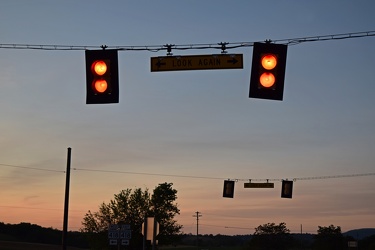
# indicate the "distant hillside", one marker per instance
pixel 360 234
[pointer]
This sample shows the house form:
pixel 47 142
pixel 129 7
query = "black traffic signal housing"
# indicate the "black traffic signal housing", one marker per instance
pixel 286 189
pixel 228 191
pixel 102 80
pixel 268 71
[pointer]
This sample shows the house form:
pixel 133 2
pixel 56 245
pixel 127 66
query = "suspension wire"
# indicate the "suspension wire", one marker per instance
pixel 220 178
pixel 143 173
pixel 157 48
pixel 195 177
pixel 46 47
pixel 32 168
pixel 328 37
pixel 312 177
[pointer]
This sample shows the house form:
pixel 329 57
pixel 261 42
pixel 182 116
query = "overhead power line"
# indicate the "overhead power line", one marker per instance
pixel 41 208
pixel 221 178
pixel 143 173
pixel 197 177
pixel 326 37
pixel 311 177
pixel 32 168
pixel 168 47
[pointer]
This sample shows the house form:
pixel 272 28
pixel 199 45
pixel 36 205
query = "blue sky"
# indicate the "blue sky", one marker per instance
pixel 192 123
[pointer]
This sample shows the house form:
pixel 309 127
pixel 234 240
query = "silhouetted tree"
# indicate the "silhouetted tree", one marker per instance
pixel 164 209
pixel 271 236
pixel 131 207
pixel 329 238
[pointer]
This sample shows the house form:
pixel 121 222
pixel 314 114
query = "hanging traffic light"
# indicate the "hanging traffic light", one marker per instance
pixel 286 189
pixel 102 81
pixel 268 71
pixel 228 191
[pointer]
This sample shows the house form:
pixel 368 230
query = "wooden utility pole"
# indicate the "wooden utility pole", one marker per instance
pixel 197 214
pixel 66 205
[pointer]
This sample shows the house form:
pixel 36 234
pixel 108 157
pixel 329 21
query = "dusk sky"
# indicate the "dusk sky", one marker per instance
pixel 194 129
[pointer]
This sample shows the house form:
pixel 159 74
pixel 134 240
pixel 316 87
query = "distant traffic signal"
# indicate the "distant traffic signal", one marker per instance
pixel 102 81
pixel 286 189
pixel 228 191
pixel 268 71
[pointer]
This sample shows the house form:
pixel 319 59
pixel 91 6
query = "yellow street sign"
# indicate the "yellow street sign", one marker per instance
pixel 196 62
pixel 259 185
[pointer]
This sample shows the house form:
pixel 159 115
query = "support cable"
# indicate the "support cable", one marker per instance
pixel 198 177
pixel 32 168
pixel 235 179
pixel 220 46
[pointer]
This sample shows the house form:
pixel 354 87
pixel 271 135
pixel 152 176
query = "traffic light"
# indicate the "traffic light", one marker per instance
pixel 268 71
pixel 286 189
pixel 228 191
pixel 102 81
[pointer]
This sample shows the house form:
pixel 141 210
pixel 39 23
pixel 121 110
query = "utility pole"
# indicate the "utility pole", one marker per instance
pixel 66 204
pixel 197 214
pixel 301 238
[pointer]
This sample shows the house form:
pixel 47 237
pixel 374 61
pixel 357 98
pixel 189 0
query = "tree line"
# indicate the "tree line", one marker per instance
pixel 27 232
pixel 273 236
pixel 266 236
pixel 131 207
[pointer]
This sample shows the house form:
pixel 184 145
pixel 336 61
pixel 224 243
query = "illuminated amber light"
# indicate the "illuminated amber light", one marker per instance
pixel 99 67
pixel 267 80
pixel 269 61
pixel 100 86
